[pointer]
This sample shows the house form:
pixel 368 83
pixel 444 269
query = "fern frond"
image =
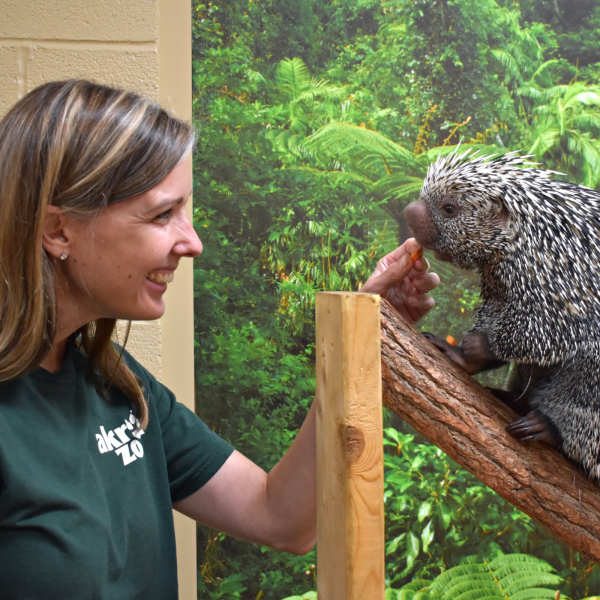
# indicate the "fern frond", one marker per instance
pixel 318 89
pixel 339 176
pixel 536 594
pixel 418 585
pixel 291 75
pixel 508 61
pixel 293 80
pixel 397 187
pixel 357 144
pixel 524 582
pixel 512 563
pixel 506 576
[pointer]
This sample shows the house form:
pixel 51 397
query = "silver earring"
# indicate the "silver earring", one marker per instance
pixel 63 256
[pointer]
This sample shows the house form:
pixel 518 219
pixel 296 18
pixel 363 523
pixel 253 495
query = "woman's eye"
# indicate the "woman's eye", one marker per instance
pixel 163 216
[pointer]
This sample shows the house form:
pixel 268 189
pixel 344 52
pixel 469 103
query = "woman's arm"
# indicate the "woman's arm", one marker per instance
pixel 279 509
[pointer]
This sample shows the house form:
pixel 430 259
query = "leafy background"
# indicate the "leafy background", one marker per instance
pixel 317 120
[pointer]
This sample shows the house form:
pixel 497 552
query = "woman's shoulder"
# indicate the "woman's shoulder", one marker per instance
pixel 155 392
pixel 134 365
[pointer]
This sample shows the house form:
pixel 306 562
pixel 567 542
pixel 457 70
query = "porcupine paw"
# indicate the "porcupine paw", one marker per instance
pixel 454 353
pixel 536 427
pixel 473 356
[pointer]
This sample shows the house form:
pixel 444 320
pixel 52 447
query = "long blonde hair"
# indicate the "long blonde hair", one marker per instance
pixel 79 146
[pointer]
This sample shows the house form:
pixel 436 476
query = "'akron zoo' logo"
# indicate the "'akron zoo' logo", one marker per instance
pixel 118 440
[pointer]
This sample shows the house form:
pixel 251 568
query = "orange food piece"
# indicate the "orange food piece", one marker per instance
pixel 417 253
pixel 451 341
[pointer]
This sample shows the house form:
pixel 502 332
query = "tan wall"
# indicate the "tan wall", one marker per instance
pixel 143 45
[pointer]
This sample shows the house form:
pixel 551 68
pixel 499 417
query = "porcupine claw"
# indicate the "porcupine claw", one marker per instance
pixel 473 356
pixel 454 353
pixel 535 427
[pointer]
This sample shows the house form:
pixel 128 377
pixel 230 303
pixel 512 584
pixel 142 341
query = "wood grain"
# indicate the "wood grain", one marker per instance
pixel 351 562
pixel 462 418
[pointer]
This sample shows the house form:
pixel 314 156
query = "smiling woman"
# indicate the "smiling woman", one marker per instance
pixel 120 261
pixel 69 151
pixel 93 187
pixel 94 451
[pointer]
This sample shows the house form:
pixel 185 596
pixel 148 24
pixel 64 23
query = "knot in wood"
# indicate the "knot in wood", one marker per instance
pixel 354 443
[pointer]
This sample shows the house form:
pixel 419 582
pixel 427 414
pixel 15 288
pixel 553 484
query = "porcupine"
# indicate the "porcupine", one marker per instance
pixel 535 244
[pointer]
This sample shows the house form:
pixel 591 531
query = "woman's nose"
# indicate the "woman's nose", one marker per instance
pixel 190 245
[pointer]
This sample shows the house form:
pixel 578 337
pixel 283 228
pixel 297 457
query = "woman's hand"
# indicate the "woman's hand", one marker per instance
pixel 404 284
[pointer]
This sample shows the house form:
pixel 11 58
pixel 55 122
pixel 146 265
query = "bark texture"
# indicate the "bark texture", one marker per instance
pixel 468 423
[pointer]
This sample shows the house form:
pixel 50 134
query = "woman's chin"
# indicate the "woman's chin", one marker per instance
pixel 147 313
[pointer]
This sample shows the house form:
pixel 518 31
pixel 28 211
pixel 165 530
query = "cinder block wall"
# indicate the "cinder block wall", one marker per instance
pixel 143 45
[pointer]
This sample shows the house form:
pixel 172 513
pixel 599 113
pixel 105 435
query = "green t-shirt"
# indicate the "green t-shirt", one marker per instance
pixel 85 500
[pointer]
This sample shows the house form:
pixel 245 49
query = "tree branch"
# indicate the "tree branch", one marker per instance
pixel 462 418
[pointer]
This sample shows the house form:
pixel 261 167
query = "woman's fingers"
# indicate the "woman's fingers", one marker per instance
pixel 424 284
pixel 395 273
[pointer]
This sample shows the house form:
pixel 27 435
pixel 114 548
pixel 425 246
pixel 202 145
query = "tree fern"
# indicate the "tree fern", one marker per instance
pixel 295 84
pixel 362 149
pixel 507 576
pixel 381 166
pixel 297 92
pixel 368 152
pixel 388 170
pixel 418 589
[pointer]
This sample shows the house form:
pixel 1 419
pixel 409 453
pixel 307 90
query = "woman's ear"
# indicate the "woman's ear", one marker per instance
pixel 57 235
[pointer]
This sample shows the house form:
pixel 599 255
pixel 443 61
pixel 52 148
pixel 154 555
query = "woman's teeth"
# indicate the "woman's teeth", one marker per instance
pixel 160 277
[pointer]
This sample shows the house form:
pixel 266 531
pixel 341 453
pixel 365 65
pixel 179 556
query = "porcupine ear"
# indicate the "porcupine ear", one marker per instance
pixel 503 215
pixel 505 210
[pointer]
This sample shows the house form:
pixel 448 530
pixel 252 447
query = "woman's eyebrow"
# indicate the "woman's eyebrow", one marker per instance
pixel 169 202
pixel 166 203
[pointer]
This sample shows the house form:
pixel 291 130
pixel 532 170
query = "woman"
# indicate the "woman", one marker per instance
pixel 94 452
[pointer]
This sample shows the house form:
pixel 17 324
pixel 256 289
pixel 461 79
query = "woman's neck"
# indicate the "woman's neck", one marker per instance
pixel 69 318
pixel 54 359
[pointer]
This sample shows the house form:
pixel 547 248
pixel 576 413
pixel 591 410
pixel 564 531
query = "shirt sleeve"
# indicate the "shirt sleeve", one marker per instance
pixel 193 452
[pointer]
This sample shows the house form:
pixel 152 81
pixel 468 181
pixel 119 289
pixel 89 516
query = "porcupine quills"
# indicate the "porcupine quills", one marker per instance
pixel 535 243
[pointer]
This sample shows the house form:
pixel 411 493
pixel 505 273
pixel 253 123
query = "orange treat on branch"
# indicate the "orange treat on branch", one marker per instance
pixel 451 341
pixel 417 253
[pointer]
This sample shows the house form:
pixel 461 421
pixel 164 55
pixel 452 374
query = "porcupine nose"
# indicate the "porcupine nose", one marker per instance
pixel 418 221
pixel 414 214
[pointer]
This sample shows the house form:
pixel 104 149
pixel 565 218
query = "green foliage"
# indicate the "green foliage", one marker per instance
pixel 253 381
pixel 576 26
pixel 480 577
pixel 508 576
pixel 430 65
pixel 230 588
pixel 307 596
pixel 437 512
pixel 386 169
pixel 275 29
pixel 564 128
pixel 317 120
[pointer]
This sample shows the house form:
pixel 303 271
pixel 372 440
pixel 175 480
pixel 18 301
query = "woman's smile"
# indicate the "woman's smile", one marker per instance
pixel 161 277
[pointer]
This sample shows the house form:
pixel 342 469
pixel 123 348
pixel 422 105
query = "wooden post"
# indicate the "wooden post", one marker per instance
pixel 350 542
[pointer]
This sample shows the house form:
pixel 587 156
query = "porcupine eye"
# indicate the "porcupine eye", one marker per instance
pixel 449 208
